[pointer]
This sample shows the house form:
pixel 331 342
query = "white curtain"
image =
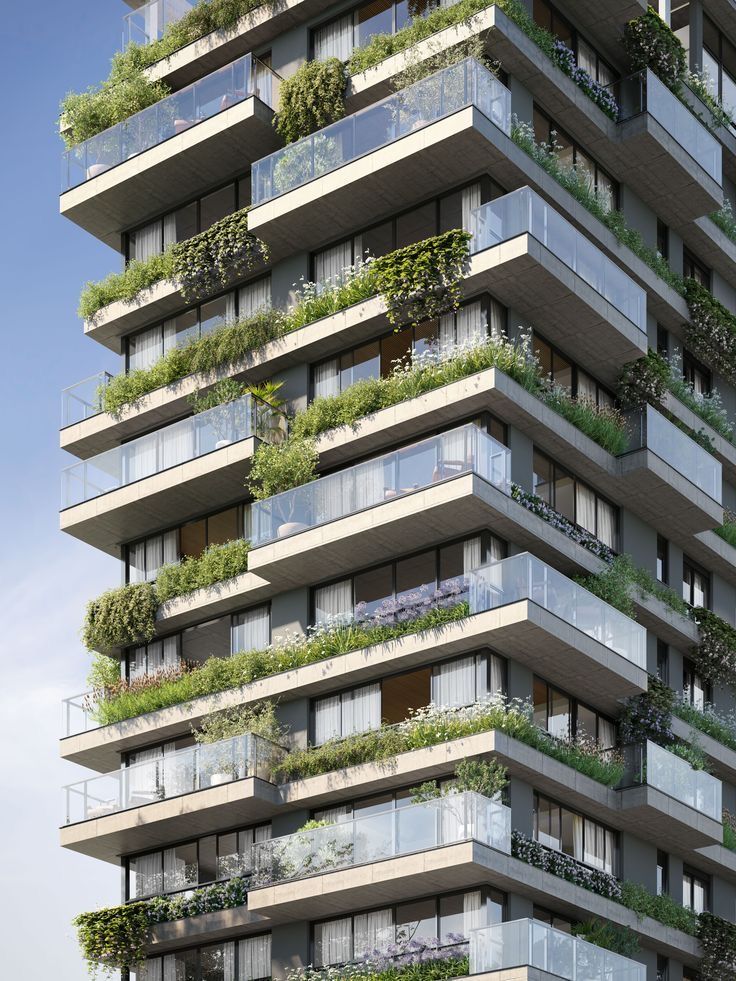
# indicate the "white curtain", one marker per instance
pixel 332 942
pixel 335 815
pixel 145 349
pixel 471 324
pixel 140 458
pixel 252 631
pixel 330 264
pixel 170 336
pixel 334 602
pixel 137 663
pixel 577 836
pixel 151 970
pixel 497 674
pixel 497 317
pixel 585 507
pixel 147 241
pixel 176 444
pixel 595 837
pixel 361 709
pixel 334 40
pixel 176 874
pixel 473 911
pixel 254 956
pixel 327 379
pixel 470 203
pixel 373 931
pixel 169 229
pixel 607 523
pixel 370 484
pixel 327 719
pixel 254 297
pixel 137 562
pixel 170 973
pixel 606 734
pixel 472 554
pixel 143 775
pixel 453 683
pixel 228 961
pixel 148 880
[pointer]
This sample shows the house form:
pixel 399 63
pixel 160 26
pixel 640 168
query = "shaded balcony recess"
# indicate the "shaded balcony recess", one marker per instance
pixel 227 87
pixel 524 576
pixel 530 943
pixel 170 446
pixel 525 212
pixel 183 771
pixel 384 478
pixel 436 97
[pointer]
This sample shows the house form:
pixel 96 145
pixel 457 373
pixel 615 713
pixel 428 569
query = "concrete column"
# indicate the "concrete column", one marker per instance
pixel 723 898
pixel 639 862
pixel 286 276
pixel 290 948
pixel 723 600
pixel 294 716
pixel 521 799
pixel 522 101
pixel 696 36
pixel 289 822
pixel 522 459
pixel 290 612
pixel 639 540
pixel 520 680
pixel 518 907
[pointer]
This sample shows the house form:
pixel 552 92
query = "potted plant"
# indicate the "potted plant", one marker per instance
pixel 279 467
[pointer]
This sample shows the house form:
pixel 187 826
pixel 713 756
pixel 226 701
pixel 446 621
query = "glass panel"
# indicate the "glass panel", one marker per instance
pixel 83 399
pixel 148 22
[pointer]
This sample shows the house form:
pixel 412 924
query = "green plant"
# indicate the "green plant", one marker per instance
pixel 703 86
pixel 259 719
pixel 644 380
pixel 225 391
pixel 422 281
pixel 104 672
pixel 662 908
pixel 709 720
pixel 718 945
pixel 216 564
pixel 486 777
pixel 621 940
pixel 129 699
pixel 715 655
pixel 114 938
pixel 725 219
pixel 650 43
pixel 729 831
pixel 278 467
pixel 120 617
pixel 603 424
pixel 310 99
pixel 126 286
pixel 711 332
pixel 727 531
pixel 613 584
pixel 416 68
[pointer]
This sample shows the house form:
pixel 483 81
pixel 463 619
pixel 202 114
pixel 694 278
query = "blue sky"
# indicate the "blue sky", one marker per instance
pixel 48 49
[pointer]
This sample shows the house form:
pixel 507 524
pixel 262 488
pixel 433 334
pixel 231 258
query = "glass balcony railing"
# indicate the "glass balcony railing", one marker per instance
pixel 413 828
pixel 77 714
pixel 385 478
pixel 439 95
pixel 176 113
pixel 650 764
pixel 529 943
pixel 525 577
pixel 525 212
pixel 644 92
pixel 168 447
pixel 83 399
pixel 148 22
pixel 649 429
pixel 171 775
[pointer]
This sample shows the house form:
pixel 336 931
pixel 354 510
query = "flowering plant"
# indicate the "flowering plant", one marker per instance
pixel 564 866
pixel 418 958
pixel 564 58
pixel 650 43
pixel 545 511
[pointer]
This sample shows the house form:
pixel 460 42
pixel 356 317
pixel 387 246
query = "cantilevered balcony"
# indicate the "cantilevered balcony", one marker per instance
pixel 133 489
pixel 664 791
pixel 172 775
pixel 671 158
pixel 427 137
pixel 530 943
pixel 197 137
pixel 83 399
pixel 148 22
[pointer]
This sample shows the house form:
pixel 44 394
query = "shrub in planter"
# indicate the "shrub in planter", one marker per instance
pixel 113 938
pixel 644 381
pixel 216 564
pixel 564 866
pixel 711 333
pixel 489 778
pixel 650 43
pixel 543 510
pixel 278 467
pixel 120 617
pixel 310 99
pixel 126 286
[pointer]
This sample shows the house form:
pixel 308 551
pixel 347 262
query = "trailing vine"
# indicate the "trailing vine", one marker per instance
pixel 650 43
pixel 718 943
pixel 715 655
pixel 711 333
pixel 310 99
pixel 423 280
pixel 211 260
pixel 120 617
pixel 644 381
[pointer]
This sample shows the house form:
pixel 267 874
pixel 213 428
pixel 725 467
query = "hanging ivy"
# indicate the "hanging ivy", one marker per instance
pixel 718 943
pixel 113 939
pixel 423 280
pixel 644 381
pixel 120 617
pixel 311 98
pixel 650 43
pixel 715 655
pixel 711 333
pixel 210 261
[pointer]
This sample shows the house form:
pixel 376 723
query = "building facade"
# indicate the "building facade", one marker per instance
pixel 418 467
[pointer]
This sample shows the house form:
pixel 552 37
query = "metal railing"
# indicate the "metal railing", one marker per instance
pixel 420 465
pixel 524 211
pixel 644 92
pixel 148 22
pixel 524 576
pixel 417 827
pixel 529 943
pixel 653 765
pixel 77 714
pixel 83 399
pixel 649 429
pixel 169 117
pixel 439 95
pixel 170 446
pixel 171 775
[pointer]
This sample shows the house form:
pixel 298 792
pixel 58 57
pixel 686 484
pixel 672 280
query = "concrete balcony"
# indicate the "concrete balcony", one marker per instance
pixel 134 489
pixel 722 758
pixel 428 137
pixel 197 137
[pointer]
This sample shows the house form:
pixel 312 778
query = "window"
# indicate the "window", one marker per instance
pixel 663 877
pixel 587 57
pixel 565 717
pixel 377 358
pixel 663 662
pixel 696 374
pixel 696 690
pixel 663 565
pixel 247 960
pixel 575 500
pixel 341 940
pixel 389 589
pixel 719 64
pixel 339 37
pixel 194 863
pixel 663 239
pixel 574 834
pixel 692 268
pixel 695 584
pixel 663 341
pixel 571 154
pixel 564 372
pixel 695 891
pixel 663 968
pixel 562 923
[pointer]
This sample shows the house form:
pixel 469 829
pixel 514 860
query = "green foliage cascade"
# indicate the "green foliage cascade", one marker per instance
pixel 711 332
pixel 120 617
pixel 650 43
pixel 310 99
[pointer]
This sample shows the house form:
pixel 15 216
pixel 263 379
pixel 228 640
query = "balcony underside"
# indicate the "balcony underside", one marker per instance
pixel 523 631
pixel 141 188
pixel 146 506
pixel 667 819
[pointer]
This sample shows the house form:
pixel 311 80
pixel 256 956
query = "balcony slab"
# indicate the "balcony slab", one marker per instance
pixel 209 153
pixel 722 758
pixel 668 819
